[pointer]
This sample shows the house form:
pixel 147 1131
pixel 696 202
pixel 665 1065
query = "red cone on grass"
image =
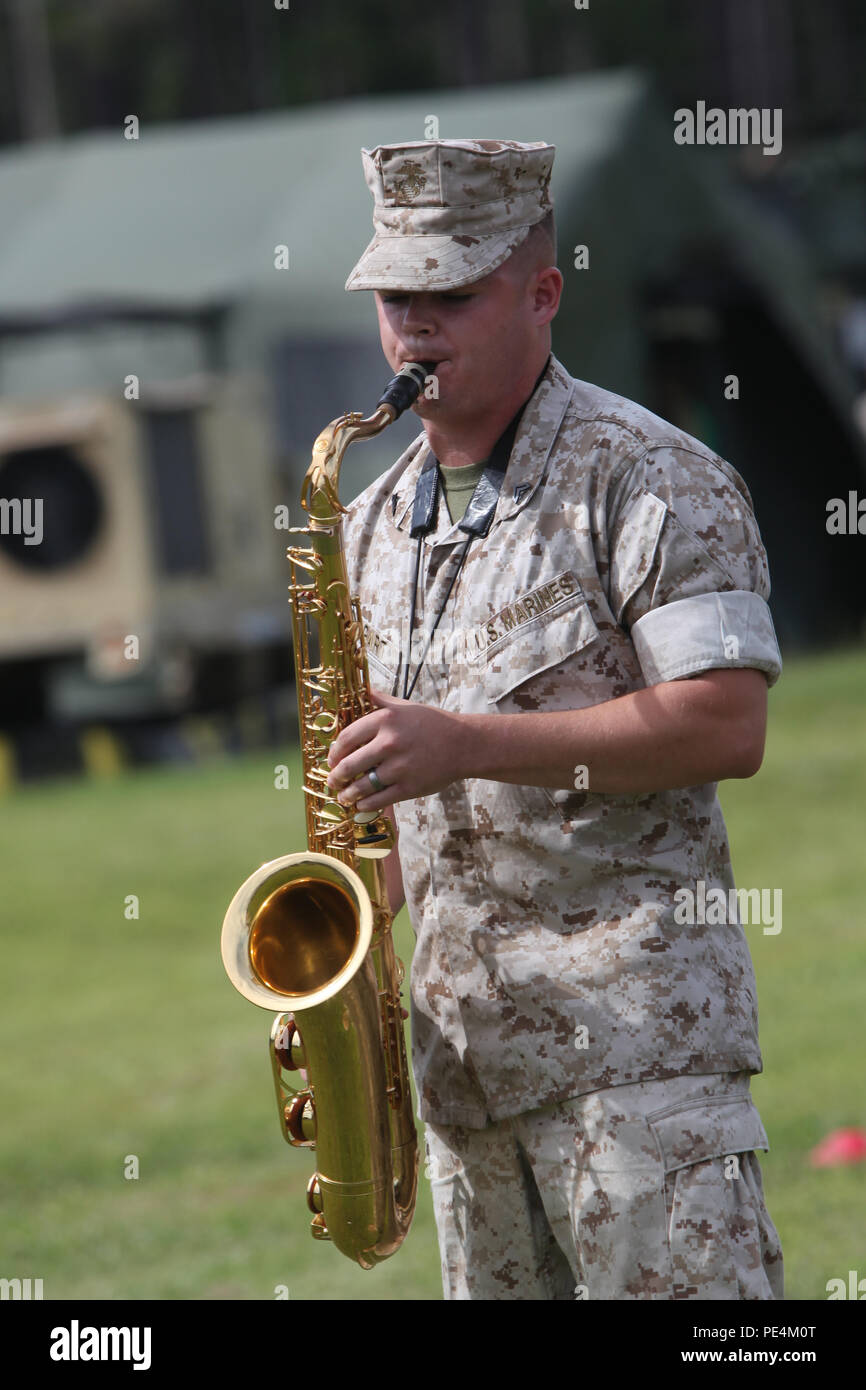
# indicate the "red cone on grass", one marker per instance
pixel 842 1146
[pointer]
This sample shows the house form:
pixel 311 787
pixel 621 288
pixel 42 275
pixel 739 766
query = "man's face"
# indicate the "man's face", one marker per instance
pixel 481 338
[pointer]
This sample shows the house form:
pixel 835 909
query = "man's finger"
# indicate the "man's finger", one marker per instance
pixel 384 700
pixel 353 770
pixel 352 738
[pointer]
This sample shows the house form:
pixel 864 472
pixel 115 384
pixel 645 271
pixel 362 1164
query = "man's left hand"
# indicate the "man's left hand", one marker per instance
pixel 415 750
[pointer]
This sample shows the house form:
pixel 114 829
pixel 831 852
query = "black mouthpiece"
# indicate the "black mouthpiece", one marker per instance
pixel 405 388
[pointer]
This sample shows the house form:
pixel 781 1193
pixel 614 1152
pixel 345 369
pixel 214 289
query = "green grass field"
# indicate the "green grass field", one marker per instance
pixel 122 1037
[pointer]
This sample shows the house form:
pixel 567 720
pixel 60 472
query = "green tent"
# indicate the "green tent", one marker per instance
pixel 156 255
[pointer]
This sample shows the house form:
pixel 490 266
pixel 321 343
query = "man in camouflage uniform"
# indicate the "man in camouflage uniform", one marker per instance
pixel 601 661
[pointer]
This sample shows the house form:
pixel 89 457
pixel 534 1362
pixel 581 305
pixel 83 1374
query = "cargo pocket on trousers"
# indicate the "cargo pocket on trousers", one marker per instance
pixel 721 1240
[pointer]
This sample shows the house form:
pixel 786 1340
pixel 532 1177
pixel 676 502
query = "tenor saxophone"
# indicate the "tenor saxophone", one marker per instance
pixel 310 933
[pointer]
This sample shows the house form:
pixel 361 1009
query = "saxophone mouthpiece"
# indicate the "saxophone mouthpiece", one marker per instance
pixel 405 388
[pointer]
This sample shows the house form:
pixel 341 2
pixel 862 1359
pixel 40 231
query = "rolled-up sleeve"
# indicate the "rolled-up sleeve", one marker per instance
pixel 689 578
pixel 703 633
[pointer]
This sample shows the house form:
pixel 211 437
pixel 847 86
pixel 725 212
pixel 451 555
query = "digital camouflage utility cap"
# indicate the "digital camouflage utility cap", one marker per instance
pixel 447 212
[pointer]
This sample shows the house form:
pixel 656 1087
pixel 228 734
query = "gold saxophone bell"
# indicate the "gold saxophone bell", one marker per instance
pixel 296 931
pixel 310 933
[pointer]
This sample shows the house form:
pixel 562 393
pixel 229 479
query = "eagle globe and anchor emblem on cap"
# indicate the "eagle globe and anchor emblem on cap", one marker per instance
pixel 409 182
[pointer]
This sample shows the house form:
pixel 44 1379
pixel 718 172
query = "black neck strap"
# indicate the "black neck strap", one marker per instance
pixel 482 504
pixel 476 520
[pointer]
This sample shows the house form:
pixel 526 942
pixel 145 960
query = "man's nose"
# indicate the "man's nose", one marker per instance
pixel 418 314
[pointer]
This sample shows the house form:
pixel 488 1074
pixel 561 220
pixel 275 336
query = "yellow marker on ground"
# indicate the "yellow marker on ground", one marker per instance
pixel 101 752
pixel 8 766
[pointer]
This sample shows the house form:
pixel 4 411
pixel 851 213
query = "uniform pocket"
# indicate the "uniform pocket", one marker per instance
pixel 707 1128
pixel 633 547
pixel 540 650
pixel 537 666
pixel 722 1242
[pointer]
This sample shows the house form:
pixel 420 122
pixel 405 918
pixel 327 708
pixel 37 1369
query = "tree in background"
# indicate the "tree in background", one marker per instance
pixel 66 68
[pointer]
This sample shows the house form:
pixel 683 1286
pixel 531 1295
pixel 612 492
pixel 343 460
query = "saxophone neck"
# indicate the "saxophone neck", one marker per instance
pixel 320 494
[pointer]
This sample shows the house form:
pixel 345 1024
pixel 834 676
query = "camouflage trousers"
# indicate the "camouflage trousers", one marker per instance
pixel 644 1191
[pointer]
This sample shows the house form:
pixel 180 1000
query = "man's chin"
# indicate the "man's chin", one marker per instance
pixel 430 407
pixel 440 413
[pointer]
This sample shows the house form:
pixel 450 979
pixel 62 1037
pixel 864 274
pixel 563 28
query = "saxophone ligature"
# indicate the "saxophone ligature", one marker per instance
pixel 310 933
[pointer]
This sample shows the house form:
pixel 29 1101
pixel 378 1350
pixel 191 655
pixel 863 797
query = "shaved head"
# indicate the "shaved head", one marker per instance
pixel 538 251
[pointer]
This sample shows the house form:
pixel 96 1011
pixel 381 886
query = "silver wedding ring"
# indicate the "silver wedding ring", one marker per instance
pixel 375 783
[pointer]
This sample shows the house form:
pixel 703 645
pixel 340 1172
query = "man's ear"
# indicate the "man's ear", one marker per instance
pixel 547 293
